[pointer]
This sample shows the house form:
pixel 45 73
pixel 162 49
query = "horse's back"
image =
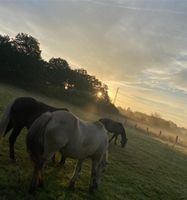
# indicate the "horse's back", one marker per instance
pixel 75 137
pixel 112 125
pixel 94 133
pixel 23 103
pixel 24 110
pixel 59 131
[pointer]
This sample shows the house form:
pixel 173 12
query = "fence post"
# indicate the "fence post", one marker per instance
pixel 176 139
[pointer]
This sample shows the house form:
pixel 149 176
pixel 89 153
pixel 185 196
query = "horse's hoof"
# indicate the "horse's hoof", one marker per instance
pixel 92 189
pixel 32 191
pixel 71 186
pixel 41 185
pixel 13 160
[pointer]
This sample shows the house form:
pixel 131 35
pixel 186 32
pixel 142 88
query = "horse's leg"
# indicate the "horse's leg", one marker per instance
pixel 53 158
pixel 94 175
pixel 112 138
pixel 12 140
pixel 37 179
pixel 40 176
pixel 40 179
pixel 116 137
pixel 8 127
pixel 104 162
pixel 34 180
pixel 76 174
pixel 63 160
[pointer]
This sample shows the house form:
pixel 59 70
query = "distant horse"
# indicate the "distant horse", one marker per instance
pixel 116 128
pixel 21 113
pixel 62 131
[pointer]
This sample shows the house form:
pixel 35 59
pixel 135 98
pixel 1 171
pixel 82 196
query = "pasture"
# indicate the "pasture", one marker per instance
pixel 166 135
pixel 146 169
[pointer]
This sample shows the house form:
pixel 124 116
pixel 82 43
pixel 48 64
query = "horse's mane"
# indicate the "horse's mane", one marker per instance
pixel 98 123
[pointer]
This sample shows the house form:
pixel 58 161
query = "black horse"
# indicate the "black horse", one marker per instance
pixel 116 128
pixel 21 113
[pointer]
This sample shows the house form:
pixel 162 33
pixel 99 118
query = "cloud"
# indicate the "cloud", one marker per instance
pixel 144 6
pixel 139 46
pixel 171 78
pixel 131 42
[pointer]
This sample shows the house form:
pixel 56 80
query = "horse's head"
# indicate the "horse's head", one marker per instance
pixel 124 142
pixel 123 138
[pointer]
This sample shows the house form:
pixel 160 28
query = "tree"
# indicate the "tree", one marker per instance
pixel 4 40
pixel 27 45
pixel 58 63
pixel 21 64
pixel 7 55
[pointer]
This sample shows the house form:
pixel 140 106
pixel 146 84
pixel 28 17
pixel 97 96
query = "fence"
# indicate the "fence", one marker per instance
pixel 165 135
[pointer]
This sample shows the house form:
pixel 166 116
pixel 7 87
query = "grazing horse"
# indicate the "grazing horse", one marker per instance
pixel 62 131
pixel 21 113
pixel 116 128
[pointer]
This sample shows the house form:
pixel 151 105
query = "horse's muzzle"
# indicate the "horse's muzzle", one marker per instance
pixel 123 143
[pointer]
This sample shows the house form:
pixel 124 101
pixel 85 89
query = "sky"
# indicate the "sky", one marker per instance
pixel 138 46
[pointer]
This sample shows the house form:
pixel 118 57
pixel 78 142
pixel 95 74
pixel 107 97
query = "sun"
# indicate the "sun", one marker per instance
pixel 99 94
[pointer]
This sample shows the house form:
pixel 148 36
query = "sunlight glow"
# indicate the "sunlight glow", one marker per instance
pixel 99 94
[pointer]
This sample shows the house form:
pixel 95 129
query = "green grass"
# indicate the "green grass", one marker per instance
pixel 146 169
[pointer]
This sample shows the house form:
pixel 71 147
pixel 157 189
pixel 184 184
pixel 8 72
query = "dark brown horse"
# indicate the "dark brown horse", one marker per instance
pixel 21 113
pixel 116 128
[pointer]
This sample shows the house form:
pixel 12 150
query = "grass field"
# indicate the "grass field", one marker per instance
pixel 147 169
pixel 166 135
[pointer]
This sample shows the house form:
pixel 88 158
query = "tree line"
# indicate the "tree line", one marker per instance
pixel 21 64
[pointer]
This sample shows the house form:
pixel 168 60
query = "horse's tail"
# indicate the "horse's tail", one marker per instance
pixel 36 135
pixel 5 119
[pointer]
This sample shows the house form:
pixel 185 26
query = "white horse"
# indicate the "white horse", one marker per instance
pixel 62 131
